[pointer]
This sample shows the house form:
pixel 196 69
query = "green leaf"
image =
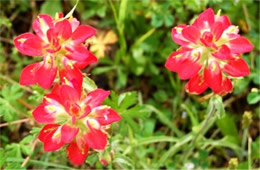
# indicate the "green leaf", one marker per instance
pixel 155 139
pixel 51 7
pixel 122 79
pixel 127 99
pixel 164 119
pixel 12 93
pixel 255 148
pixel 253 97
pixel 126 105
pixel 28 139
pixel 160 95
pixel 27 149
pixel 2 156
pixel 88 13
pixel 168 20
pixel 227 141
pixel 101 12
pixel 13 150
pixel 149 127
pixel 227 126
pixel 157 20
pixel 124 161
pixel 89 84
pixel 7 110
pixel 101 70
pixel 35 131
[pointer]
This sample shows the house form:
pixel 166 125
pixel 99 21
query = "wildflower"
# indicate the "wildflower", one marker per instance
pixel 209 54
pixel 60 42
pixel 76 118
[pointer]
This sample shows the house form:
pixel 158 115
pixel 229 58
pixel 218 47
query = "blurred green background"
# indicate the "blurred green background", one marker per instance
pixel 160 119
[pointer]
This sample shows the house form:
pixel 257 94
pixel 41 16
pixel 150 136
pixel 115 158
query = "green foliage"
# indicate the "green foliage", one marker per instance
pixel 253 97
pixel 8 102
pixel 51 7
pixel 17 150
pixel 125 105
pixel 159 120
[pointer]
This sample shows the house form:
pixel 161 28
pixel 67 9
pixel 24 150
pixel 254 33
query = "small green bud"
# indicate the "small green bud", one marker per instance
pixel 105 157
pixel 232 164
pixel 246 119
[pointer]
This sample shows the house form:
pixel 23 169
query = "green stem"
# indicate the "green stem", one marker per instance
pixel 144 37
pixel 173 149
pixel 249 153
pixel 114 11
pixel 165 120
pixel 204 128
pixel 191 114
pixel 244 140
pixel 35 162
pixel 120 29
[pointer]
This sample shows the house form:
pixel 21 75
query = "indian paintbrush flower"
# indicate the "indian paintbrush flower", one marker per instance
pixel 76 118
pixel 60 41
pixel 210 53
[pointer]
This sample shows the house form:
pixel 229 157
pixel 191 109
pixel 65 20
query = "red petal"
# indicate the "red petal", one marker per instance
pixel 177 35
pixel 196 85
pixel 78 53
pixel 29 44
pixel 106 116
pixel 96 139
pixel 205 20
pixel 28 74
pixel 55 94
pixel 191 33
pixel 82 33
pixel 227 87
pixel 68 133
pixel 46 73
pixel 41 24
pixel 213 76
pixel 69 94
pixel 224 53
pixel 217 29
pixel 46 136
pixel 41 116
pixel 236 67
pixel 77 155
pixel 63 29
pixel 240 45
pixel 189 68
pixel 89 60
pixel 96 97
pixel 225 21
pixel 175 59
pixel 71 75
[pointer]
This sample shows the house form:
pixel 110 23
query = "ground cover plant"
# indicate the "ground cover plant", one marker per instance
pixel 129 84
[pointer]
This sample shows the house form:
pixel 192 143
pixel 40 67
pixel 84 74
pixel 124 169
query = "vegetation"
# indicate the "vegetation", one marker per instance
pixel 162 126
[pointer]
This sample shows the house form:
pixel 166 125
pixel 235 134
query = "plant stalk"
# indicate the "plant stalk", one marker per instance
pixel 201 131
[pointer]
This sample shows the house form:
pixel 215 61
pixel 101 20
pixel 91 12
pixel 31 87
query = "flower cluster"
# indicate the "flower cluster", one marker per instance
pixel 73 116
pixel 209 54
pixel 60 42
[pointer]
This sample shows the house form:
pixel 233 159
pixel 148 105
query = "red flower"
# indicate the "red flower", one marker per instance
pixel 76 118
pixel 60 42
pixel 209 54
